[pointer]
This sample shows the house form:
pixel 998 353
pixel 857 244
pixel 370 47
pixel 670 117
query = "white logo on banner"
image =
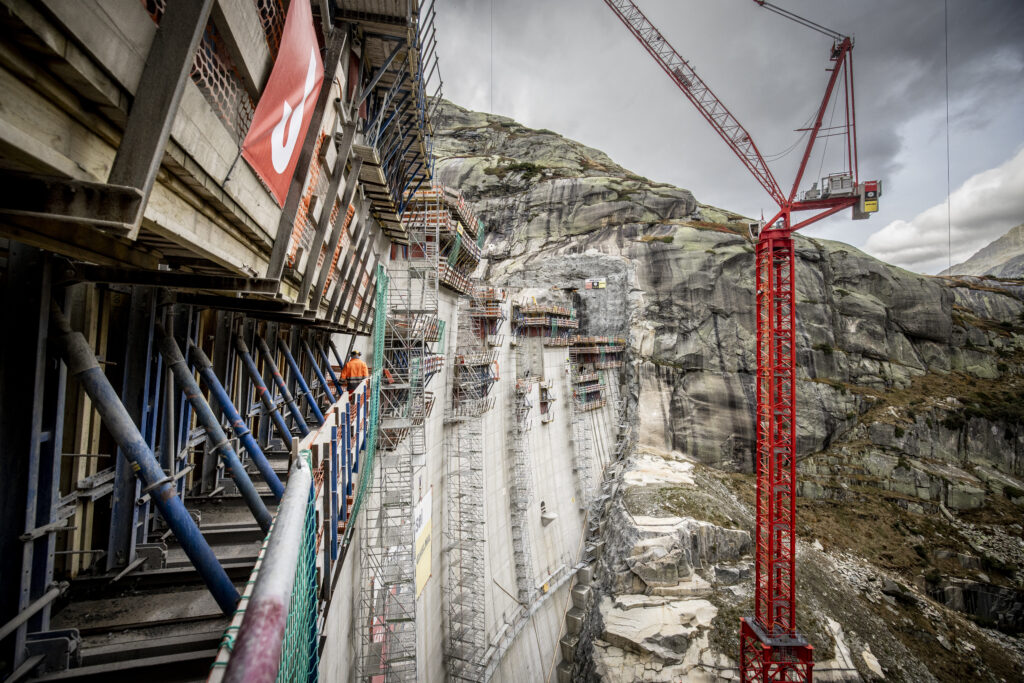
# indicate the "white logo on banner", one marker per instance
pixel 281 151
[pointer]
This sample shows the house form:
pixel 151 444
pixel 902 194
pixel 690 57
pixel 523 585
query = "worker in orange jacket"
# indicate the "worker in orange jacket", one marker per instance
pixel 355 371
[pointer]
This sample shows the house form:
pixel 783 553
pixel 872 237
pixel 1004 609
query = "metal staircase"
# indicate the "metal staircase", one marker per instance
pixel 521 491
pixel 582 442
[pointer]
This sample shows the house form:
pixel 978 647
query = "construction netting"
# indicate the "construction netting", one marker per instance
pixel 214 71
pixel 366 466
pixel 300 657
pixel 299 648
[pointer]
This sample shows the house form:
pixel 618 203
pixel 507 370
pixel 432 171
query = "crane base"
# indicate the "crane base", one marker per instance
pixel 764 658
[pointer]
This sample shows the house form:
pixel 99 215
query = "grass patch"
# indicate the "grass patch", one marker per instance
pixel 667 239
pixel 527 169
pixel 824 348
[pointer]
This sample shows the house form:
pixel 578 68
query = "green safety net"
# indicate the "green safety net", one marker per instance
pixel 300 657
pixel 480 234
pixel 440 338
pixel 453 257
pixel 366 466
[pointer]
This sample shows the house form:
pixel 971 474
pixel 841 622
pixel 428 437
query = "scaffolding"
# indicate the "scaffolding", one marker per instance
pixel 474 372
pixel 521 491
pixel 387 620
pixel 582 443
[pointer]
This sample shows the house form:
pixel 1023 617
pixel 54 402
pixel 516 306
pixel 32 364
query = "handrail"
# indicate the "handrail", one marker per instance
pixel 257 652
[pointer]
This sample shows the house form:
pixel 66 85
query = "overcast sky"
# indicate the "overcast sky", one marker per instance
pixel 570 66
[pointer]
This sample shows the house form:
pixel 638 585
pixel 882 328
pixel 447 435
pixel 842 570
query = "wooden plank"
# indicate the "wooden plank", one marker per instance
pixel 25 110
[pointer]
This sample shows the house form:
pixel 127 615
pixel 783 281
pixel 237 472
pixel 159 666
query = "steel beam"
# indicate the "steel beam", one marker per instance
pixel 380 72
pixel 51 198
pixel 171 280
pixel 268 360
pixel 83 366
pixel 337 174
pixel 135 389
pixel 156 99
pixel 246 305
pixel 238 425
pixel 301 381
pixel 261 390
pixel 350 188
pixel 364 239
pixel 214 432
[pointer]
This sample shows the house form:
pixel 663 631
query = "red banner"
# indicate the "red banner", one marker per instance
pixel 286 106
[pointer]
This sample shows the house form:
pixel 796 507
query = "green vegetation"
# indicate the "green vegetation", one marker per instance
pixel 824 348
pixel 1012 492
pixel 528 169
pixel 667 239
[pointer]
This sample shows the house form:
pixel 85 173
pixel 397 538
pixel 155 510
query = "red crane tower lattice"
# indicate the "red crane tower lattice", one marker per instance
pixel 771 647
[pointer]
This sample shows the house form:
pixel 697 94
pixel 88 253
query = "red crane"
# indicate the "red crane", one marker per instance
pixel 771 648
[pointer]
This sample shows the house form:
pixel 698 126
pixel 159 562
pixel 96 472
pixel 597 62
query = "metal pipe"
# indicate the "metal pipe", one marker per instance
pixel 330 370
pixel 83 367
pixel 214 432
pixel 32 608
pixel 337 356
pixel 349 407
pixel 238 426
pixel 268 358
pixel 257 652
pixel 310 400
pixel 334 494
pixel 317 370
pixel 347 465
pixel 261 390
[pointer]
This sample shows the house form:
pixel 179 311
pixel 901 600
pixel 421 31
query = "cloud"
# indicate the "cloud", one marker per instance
pixel 983 208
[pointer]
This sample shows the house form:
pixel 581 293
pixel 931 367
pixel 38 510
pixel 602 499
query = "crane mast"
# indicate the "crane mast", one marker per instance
pixel 771 647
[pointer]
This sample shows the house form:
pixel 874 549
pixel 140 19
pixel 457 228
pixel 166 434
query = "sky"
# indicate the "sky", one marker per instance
pixel 571 67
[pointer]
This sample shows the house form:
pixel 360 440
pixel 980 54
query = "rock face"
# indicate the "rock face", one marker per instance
pixel 1002 258
pixel 910 403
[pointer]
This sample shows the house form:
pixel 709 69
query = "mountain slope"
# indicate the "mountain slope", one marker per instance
pixel 910 411
pixel 1002 258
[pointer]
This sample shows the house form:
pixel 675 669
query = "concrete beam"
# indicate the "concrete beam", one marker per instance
pixel 118 34
pixel 240 27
